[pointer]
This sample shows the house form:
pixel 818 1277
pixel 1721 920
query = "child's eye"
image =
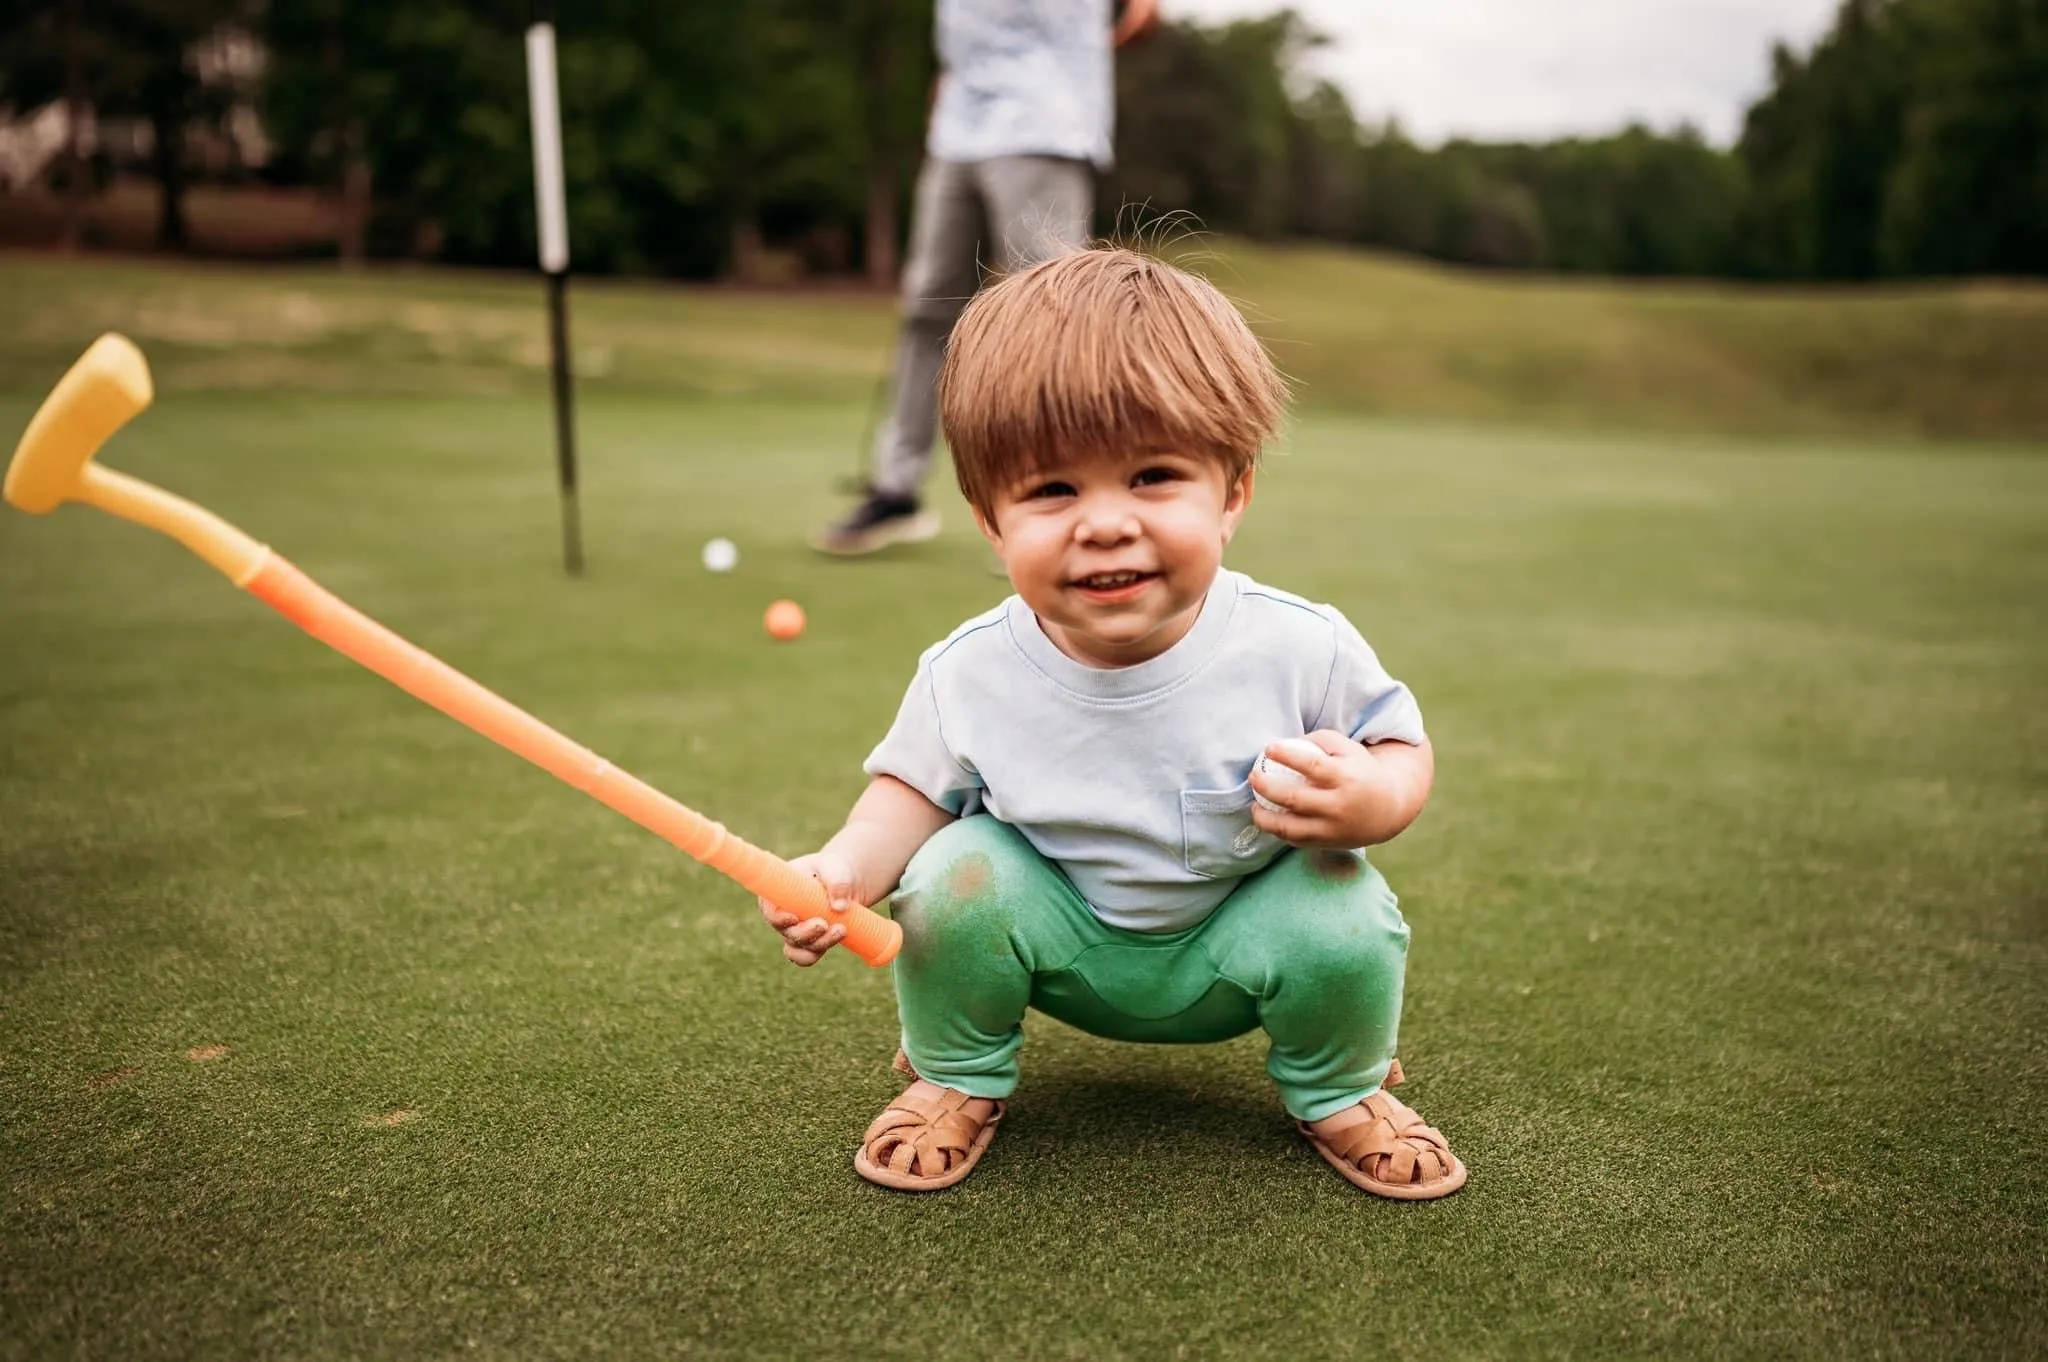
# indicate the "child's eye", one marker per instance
pixel 1152 477
pixel 1050 489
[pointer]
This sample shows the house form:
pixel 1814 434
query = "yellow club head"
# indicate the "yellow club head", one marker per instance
pixel 107 386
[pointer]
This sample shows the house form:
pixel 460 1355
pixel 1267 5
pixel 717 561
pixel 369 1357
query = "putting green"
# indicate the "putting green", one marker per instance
pixel 328 1029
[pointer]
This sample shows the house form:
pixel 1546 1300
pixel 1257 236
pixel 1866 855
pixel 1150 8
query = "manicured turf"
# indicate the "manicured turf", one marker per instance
pixel 328 1029
pixel 1369 334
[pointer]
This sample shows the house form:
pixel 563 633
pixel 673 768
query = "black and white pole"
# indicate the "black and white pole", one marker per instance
pixel 546 110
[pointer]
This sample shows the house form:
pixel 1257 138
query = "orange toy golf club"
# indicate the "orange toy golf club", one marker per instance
pixel 54 464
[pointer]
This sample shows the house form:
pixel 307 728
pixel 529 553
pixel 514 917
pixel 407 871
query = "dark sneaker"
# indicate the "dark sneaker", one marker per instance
pixel 879 521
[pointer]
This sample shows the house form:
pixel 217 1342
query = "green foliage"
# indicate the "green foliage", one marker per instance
pixel 1913 140
pixel 128 59
pixel 685 128
pixel 701 139
pixel 1639 203
pixel 1819 146
pixel 1969 191
pixel 1205 124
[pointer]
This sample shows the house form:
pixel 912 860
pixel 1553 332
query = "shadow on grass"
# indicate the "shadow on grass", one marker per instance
pixel 1089 1123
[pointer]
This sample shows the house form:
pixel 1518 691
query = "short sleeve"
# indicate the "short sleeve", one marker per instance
pixel 1363 701
pixel 915 752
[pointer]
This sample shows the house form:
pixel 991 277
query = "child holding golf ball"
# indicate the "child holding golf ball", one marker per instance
pixel 1066 807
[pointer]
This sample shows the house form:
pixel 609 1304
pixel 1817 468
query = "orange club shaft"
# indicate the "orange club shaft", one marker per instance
pixel 419 673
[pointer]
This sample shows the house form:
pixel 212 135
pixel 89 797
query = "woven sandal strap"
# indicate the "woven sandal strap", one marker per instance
pixel 930 1104
pixel 929 1141
pixel 1393 1127
pixel 935 1118
pixel 1362 1142
pixel 949 1132
pixel 1407 1122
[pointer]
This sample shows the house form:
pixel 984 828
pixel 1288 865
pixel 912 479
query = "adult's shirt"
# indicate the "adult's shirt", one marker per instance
pixel 1024 78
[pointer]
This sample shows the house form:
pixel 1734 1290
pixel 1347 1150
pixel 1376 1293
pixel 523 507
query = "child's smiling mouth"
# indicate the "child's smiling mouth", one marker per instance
pixel 1110 588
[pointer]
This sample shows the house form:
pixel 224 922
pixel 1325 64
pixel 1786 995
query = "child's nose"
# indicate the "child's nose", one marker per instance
pixel 1106 521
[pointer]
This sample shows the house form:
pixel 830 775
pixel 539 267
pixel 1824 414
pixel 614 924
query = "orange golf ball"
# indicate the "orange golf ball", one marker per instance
pixel 784 620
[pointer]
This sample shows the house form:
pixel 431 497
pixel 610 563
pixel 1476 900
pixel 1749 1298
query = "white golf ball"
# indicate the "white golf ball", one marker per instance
pixel 1280 773
pixel 720 555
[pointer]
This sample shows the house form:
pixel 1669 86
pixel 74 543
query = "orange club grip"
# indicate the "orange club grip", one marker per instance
pixel 348 631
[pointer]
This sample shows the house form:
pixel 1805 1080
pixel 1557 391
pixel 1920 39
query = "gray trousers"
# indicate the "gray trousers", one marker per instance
pixel 1018 209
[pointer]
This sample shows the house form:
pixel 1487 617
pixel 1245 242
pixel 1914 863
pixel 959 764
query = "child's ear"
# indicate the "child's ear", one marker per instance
pixel 1237 501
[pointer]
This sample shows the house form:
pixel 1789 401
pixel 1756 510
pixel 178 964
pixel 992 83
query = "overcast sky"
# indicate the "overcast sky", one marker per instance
pixel 1532 69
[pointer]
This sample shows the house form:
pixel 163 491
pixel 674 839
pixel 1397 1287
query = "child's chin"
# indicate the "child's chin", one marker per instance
pixel 1124 635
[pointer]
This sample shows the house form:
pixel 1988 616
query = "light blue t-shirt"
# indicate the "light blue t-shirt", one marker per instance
pixel 1136 781
pixel 1023 78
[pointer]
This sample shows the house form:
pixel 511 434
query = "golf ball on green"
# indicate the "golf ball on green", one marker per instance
pixel 720 555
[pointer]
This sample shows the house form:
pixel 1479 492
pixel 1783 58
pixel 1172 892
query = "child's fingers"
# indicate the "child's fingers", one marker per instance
pixel 1295 796
pixel 803 931
pixel 1296 829
pixel 1275 821
pixel 805 943
pixel 1305 756
pixel 1281 792
pixel 812 932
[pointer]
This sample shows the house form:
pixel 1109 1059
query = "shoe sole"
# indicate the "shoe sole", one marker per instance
pixel 910 529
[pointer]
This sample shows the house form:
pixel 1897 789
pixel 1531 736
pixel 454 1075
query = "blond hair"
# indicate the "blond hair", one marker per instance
pixel 1102 352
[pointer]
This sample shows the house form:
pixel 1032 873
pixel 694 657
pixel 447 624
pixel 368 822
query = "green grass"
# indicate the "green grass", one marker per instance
pixel 1362 333
pixel 1730 974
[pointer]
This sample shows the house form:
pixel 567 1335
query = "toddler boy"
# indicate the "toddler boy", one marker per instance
pixel 1065 805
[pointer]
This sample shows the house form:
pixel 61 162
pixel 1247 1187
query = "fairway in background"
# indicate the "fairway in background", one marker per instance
pixel 1358 332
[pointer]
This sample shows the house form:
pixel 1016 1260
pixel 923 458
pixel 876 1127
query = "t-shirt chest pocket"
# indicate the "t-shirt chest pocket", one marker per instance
pixel 1218 838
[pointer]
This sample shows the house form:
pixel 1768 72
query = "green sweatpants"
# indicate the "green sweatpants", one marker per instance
pixel 1312 948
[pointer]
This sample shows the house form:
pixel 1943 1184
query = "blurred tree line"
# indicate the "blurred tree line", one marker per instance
pixel 1912 140
pixel 705 139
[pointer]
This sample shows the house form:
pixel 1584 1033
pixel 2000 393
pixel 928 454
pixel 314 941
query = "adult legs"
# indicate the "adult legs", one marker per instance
pixel 947 228
pixel 1020 209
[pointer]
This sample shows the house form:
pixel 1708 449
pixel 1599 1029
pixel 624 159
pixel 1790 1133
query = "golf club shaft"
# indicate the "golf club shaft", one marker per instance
pixel 53 464
pixel 348 631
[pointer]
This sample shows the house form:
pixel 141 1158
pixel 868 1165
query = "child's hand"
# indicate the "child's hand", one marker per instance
pixel 1350 796
pixel 804 940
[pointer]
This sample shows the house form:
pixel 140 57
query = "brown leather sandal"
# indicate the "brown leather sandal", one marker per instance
pixel 1391 1151
pixel 924 1141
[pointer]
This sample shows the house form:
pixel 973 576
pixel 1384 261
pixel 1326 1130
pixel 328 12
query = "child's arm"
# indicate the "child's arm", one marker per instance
pixel 861 864
pixel 1351 796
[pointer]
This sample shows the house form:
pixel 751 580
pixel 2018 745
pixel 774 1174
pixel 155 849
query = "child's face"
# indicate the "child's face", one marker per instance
pixel 1115 556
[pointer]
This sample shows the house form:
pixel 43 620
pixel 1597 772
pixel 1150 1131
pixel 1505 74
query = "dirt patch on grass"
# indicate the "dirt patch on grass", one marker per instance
pixel 206 1054
pixel 391 1120
pixel 112 1077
